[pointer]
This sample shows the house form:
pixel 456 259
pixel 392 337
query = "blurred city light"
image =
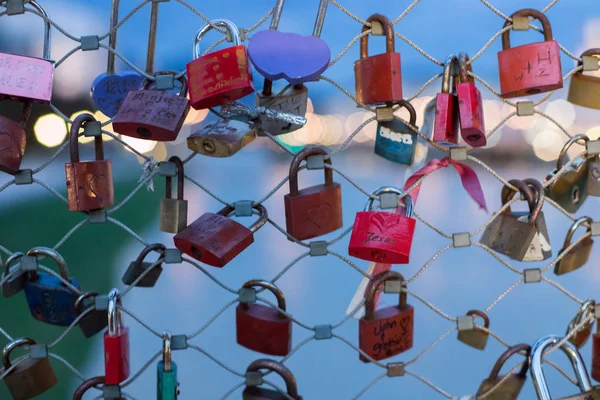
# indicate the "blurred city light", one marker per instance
pixel 547 144
pixel 50 130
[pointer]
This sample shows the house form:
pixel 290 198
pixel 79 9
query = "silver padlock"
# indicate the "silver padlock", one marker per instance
pixel 173 212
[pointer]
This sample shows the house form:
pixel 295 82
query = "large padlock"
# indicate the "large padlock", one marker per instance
pixel 540 249
pixel 116 343
pixel 315 210
pixel 579 255
pixel 395 140
pixel 173 212
pixel 222 138
pixel 584 90
pixel 221 76
pixel 139 267
pixel 584 332
pixel 89 183
pixel 292 100
pixel 470 105
pixel 512 386
pixel 263 328
pixel 13 140
pixel 259 393
pixel 531 68
pixel 153 114
pixel 389 331
pixel 476 338
pixel 29 377
pixel 166 373
pixel 87 385
pixel 49 299
pixel 384 237
pixel 28 78
pixel 571 188
pixel 95 320
pixel 216 239
pixel 14 277
pixel 446 116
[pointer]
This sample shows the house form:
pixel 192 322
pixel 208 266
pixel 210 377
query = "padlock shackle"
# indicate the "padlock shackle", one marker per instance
pixel 320 19
pixel 579 222
pixel 87 385
pixel 464 67
pixel 13 257
pixel 167 351
pixel 586 310
pixel 375 283
pixel 11 346
pixel 77 124
pixel 527 12
pixel 406 199
pixel 158 247
pixel 310 150
pixel 262 215
pixel 47 28
pixel 231 28
pixel 538 196
pixel 524 190
pixel 112 37
pixel 271 288
pixel 449 75
pixel 279 369
pixel 563 152
pixel 390 44
pixel 182 79
pixel 511 351
pixel 168 181
pixel 411 110
pixel 53 254
pixel 115 316
pixel 480 314
pixel 78 306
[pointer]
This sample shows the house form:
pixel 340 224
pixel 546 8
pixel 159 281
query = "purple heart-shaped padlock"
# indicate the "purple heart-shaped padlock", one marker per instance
pixel 109 90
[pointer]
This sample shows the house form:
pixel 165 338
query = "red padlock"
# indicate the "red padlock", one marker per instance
pixel 222 76
pixel 384 237
pixel 116 343
pixel 216 239
pixel 446 108
pixel 13 140
pixel 470 105
pixel 263 328
pixel 532 68
pixel 384 333
pixel 596 354
pixel 89 183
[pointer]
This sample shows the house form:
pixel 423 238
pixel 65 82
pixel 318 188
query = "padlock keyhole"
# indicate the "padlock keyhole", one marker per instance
pixel 533 91
pixel 143 132
pixel 197 252
pixel 575 195
pixel 209 146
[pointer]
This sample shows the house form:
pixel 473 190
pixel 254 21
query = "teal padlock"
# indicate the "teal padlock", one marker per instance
pixel 166 373
pixel 395 140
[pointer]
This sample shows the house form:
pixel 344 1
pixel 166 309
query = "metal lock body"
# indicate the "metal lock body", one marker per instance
pixel 153 114
pixel 173 212
pixel 532 68
pixel 138 267
pixel 222 138
pixel 510 388
pixel 259 393
pixel 380 236
pixel 389 331
pixel 470 105
pixel 584 90
pixel 88 384
pixel 395 140
pixel 263 328
pixel 294 100
pixel 446 117
pixel 13 140
pixel 49 299
pixel 116 343
pixel 95 321
pixel 586 310
pixel 89 183
pixel 315 210
pixel 216 239
pixel 30 377
pixel 579 255
pixel 475 338
pixel 540 248
pixel 166 373
pixel 16 276
pixel 596 357
pixel 221 76
pixel 378 78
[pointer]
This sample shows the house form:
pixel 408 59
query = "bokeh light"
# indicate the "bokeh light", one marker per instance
pixel 492 115
pixel 50 130
pixel 562 112
pixel 140 145
pixel 547 144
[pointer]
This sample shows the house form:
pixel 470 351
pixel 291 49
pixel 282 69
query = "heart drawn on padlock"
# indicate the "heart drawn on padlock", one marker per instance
pixel 6 142
pixel 383 222
pixel 320 215
pixel 97 185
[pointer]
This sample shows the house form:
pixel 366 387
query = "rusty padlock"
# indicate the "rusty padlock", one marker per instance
pixel 475 337
pixel 173 212
pixel 88 384
pixel 13 140
pixel 470 105
pixel 512 386
pixel 255 392
pixel 579 255
pixel 584 90
pixel 584 332
pixel 446 116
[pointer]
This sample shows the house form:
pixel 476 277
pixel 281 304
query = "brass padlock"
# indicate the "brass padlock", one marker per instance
pixel 475 337
pixel 578 255
pixel 583 334
pixel 584 90
pixel 540 248
pixel 173 212
pixel 222 138
pixel 511 387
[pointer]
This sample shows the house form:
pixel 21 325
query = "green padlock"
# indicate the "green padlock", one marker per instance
pixel 166 373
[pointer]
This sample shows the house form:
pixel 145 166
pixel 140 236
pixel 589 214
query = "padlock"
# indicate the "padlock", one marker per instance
pixel 475 338
pixel 584 90
pixel 13 140
pixel 594 175
pixel 292 100
pixel 540 248
pixel 221 76
pixel 222 138
pixel 512 386
pixel 596 354
pixel 395 140
pixel 446 115
pixel 578 255
pixel 153 114
pixel 315 210
pixel 30 377
pixel 378 78
pixel 259 393
pixel 95 320
pixel 216 239
pixel 88 384
pixel 89 183
pixel 15 276
pixel 539 380
pixel 173 212
pixel 389 331
pixel 531 68
pixel 166 373
pixel 139 267
pixel 28 78
pixel 572 187
pixel 116 343
pixel 584 332
pixel 384 237
pixel 49 299
pixel 470 105
pixel 263 328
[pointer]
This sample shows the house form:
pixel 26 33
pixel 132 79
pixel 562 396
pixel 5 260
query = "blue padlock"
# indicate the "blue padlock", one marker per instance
pixel 49 299
pixel 166 373
pixel 395 140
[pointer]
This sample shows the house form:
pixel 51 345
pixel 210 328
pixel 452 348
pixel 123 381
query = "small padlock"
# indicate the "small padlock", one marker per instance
pixel 395 140
pixel 512 386
pixel 89 183
pixel 384 237
pixel 389 331
pixel 153 114
pixel 292 100
pixel 88 384
pixel 593 188
pixel 446 116
pixel 584 332
pixel 259 393
pixel 263 328
pixel 15 276
pixel 222 138
pixel 166 373
pixel 579 255
pixel 95 320
pixel 116 343
pixel 475 338
pixel 540 248
pixel 13 140
pixel 139 267
pixel 315 210
pixel 584 90
pixel 30 377
pixel 173 212
pixel 216 239
pixel 49 299
pixel 531 68
pixel 470 105
pixel 221 76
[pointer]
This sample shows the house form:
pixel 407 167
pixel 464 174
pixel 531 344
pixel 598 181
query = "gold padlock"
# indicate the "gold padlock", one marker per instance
pixel 583 334
pixel 223 138
pixel 475 337
pixel 578 255
pixel 511 387
pixel 540 248
pixel 584 90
